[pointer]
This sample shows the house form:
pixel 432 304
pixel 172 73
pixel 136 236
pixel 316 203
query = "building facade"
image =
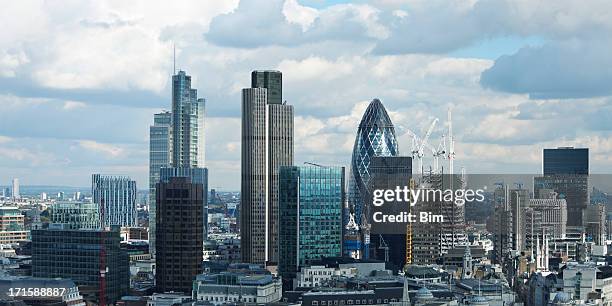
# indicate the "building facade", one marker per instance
pixel 188 123
pixel 116 195
pixel 179 234
pixel 76 215
pixel 160 156
pixel 12 227
pixel 388 172
pixel 267 144
pixel 234 288
pixel 75 255
pixel 15 189
pixel 311 200
pixel 566 171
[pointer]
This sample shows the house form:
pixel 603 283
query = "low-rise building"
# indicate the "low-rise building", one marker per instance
pixel 236 287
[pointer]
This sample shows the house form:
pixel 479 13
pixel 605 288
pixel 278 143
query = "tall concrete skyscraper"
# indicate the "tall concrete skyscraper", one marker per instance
pixel 267 144
pixel 177 141
pixel 117 195
pixel 15 189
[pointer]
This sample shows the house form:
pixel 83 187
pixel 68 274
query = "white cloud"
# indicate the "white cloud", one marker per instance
pixel 112 150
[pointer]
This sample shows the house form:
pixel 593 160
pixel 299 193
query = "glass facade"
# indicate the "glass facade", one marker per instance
pixel 566 160
pixel 188 123
pixel 566 171
pixel 310 226
pixel 270 80
pixel 117 194
pixel 160 155
pixel 375 137
pixel 75 255
pixel 75 215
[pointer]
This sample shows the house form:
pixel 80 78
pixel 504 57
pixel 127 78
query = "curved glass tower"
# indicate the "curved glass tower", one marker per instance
pixel 375 137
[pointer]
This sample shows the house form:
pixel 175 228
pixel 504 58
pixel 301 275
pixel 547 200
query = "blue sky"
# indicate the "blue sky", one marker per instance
pixel 79 81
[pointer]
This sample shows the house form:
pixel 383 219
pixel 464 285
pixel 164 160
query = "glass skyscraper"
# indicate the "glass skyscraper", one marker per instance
pixel 176 141
pixel 188 123
pixel 117 195
pixel 310 214
pixel 375 137
pixel 566 171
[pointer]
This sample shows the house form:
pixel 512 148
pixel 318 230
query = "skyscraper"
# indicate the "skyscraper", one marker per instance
pixel 160 156
pixel 375 137
pixel 177 141
pixel 272 81
pixel 388 172
pixel 15 189
pixel 188 123
pixel 197 176
pixel 310 216
pixel 117 196
pixel 179 234
pixel 566 171
pixel 267 144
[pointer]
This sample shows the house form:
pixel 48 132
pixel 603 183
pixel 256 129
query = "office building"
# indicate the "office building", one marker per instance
pixel 188 123
pixel 432 240
pixel 160 156
pixel 179 234
pixel 116 198
pixel 595 223
pixel 15 189
pixel 375 137
pixel 267 144
pixel 12 229
pixel 310 216
pixel 388 244
pixel 554 216
pixel 566 171
pixel 75 215
pixel 272 81
pixel 75 255
pixel 237 288
pixel 196 176
pixel 177 141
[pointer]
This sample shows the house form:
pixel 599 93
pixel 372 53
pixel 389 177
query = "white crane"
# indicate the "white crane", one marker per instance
pixel 419 144
pixel 451 143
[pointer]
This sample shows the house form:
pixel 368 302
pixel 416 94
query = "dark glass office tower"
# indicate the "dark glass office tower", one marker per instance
pixel 75 254
pixel 272 81
pixel 179 234
pixel 566 160
pixel 566 171
pixel 388 172
pixel 310 216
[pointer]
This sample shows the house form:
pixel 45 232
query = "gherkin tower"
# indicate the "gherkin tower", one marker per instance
pixel 375 137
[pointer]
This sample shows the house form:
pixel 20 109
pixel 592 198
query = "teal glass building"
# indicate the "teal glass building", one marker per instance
pixel 310 215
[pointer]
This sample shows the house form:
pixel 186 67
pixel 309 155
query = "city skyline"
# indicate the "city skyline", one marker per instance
pixel 96 118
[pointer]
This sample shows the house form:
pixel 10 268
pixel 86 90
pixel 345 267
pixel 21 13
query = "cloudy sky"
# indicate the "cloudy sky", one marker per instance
pixel 80 80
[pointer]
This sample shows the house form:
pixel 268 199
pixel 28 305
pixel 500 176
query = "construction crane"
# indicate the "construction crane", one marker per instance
pixel 382 245
pixel 419 144
pixel 409 229
pixel 451 143
pixel 313 164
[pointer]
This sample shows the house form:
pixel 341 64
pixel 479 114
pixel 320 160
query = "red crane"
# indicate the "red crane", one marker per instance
pixel 102 256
